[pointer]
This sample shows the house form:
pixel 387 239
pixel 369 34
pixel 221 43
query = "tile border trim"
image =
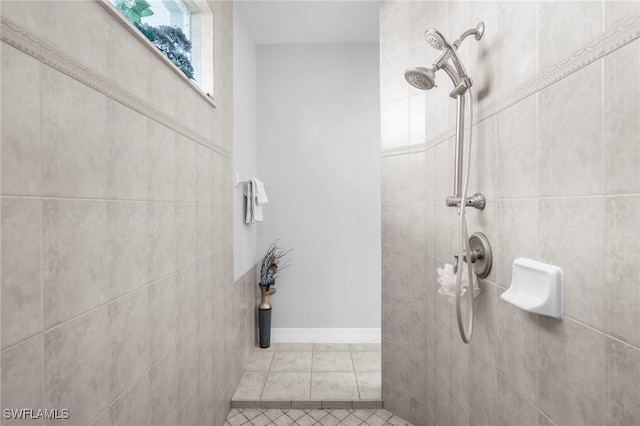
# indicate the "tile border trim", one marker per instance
pixel 626 31
pixel 21 39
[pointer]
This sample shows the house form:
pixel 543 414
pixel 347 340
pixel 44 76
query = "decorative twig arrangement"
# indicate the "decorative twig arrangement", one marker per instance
pixel 269 272
pixel 270 264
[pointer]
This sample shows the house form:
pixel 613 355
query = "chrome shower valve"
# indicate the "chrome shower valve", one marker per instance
pixel 480 255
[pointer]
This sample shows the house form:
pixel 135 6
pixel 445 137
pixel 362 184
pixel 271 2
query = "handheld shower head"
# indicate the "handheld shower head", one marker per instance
pixel 424 78
pixel 436 40
pixel 421 78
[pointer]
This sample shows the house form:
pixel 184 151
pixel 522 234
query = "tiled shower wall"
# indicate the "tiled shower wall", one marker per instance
pixel 556 152
pixel 117 295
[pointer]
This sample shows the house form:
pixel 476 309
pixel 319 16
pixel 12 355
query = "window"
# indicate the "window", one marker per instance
pixel 177 28
pixel 169 12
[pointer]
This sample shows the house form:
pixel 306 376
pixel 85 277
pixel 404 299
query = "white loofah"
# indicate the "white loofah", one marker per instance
pixel 447 281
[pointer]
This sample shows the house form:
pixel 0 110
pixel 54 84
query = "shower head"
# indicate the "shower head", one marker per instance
pixel 421 78
pixel 424 78
pixel 436 40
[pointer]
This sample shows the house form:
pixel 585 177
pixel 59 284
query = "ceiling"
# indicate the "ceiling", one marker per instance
pixel 301 21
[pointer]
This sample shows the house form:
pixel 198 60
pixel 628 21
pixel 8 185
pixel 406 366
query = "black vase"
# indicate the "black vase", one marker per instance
pixel 264 324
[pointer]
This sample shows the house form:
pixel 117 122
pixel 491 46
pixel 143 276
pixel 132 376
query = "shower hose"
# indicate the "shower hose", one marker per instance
pixel 463 246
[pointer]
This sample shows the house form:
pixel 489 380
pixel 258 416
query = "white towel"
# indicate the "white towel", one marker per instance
pixel 261 194
pixel 255 197
pixel 250 203
pixel 260 199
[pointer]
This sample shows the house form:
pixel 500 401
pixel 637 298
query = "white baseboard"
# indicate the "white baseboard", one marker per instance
pixel 325 335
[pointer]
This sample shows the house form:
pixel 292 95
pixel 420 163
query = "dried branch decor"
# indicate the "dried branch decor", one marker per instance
pixel 272 264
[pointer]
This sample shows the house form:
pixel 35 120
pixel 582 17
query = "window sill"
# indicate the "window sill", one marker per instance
pixel 133 30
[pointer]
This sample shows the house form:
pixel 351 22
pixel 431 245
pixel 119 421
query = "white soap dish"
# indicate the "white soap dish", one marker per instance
pixel 536 287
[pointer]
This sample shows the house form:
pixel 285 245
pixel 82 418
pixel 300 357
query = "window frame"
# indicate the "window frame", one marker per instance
pixel 203 17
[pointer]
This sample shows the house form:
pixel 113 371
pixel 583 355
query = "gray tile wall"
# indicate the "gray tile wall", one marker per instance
pixel 560 170
pixel 117 293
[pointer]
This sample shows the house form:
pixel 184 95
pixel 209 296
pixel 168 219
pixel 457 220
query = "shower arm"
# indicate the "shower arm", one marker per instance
pixel 477 32
pixel 458 42
pixel 450 53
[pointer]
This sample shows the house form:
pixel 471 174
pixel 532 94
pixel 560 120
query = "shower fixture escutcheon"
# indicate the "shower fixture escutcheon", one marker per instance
pixel 481 255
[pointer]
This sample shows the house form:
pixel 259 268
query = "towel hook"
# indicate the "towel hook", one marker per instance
pixel 238 179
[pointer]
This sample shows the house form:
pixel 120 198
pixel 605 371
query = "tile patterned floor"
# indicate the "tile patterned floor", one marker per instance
pixel 277 417
pixel 311 376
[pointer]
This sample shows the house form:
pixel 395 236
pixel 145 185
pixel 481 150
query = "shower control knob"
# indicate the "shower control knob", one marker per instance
pixel 473 258
pixel 481 256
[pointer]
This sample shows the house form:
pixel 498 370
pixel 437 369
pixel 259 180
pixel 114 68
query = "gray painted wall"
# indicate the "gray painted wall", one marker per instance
pixel 318 154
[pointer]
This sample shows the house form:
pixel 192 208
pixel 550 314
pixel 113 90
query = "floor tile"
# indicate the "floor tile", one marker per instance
pixel 250 413
pixel 332 361
pixel 250 386
pixel 351 420
pixel 259 361
pixel 317 414
pixel 375 421
pixel 329 421
pixel 261 420
pixel 367 361
pixel 237 420
pixel 287 386
pixel 340 414
pixel 397 421
pixel 295 414
pixel 363 414
pixel 369 385
pixel 332 385
pixel 383 414
pixel 306 420
pixel 295 346
pixel 283 421
pixel 330 347
pixel 365 346
pixel 273 414
pixel 308 376
pixel 272 348
pixel 292 361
